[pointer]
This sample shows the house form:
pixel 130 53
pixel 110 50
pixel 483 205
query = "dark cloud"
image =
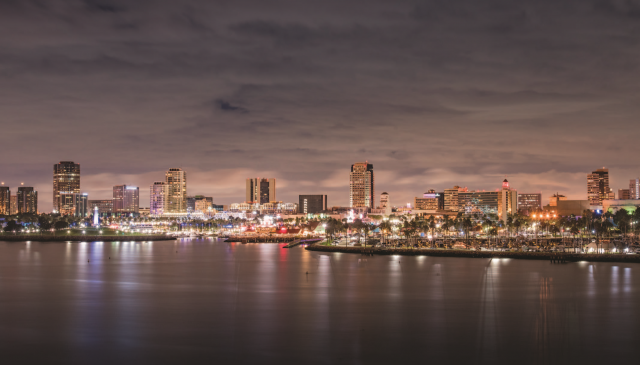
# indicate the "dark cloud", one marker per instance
pixel 433 93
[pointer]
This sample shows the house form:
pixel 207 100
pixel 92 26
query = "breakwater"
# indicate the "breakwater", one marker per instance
pixel 549 256
pixel 88 238
pixel 263 239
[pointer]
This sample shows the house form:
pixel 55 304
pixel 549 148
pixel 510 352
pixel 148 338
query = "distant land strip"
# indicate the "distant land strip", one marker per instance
pixel 558 257
pixel 77 238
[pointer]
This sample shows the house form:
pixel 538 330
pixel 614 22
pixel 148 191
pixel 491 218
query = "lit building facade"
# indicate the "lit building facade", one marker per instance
pixel 176 198
pixel 126 199
pixel 598 187
pixel 385 203
pixel 261 190
pixel 312 203
pixel 478 202
pixel 361 185
pixel 27 200
pixel 451 198
pixel 623 194
pixel 157 198
pixel 5 200
pixel 193 202
pixel 105 206
pixel 634 189
pixel 66 179
pixel 529 202
pixel 75 204
pixel 13 204
pixel 429 201
pixel 508 201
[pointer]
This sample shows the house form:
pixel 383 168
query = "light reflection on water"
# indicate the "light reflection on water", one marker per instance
pixel 206 300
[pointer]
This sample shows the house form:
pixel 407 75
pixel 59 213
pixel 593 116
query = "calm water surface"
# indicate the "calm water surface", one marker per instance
pixel 206 301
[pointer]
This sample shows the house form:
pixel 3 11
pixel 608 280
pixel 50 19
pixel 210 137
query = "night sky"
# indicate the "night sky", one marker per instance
pixel 432 93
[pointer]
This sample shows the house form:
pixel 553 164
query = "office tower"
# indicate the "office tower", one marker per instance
pixel 75 204
pixel 362 185
pixel 451 198
pixel 529 202
pixel 13 204
pixel 176 198
pixel 105 206
pixel 261 190
pixel 634 189
pixel 385 203
pixel 66 179
pixel 5 200
pixel 508 201
pixel 157 198
pixel 312 203
pixel 429 201
pixel 27 200
pixel 478 202
pixel 598 186
pixel 624 194
pixel 126 199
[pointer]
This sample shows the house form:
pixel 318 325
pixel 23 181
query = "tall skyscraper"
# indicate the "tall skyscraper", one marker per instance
pixel 361 185
pixel 5 200
pixel 27 200
pixel 385 203
pixel 126 199
pixel 66 179
pixel 598 186
pixel 176 198
pixel 158 197
pixel 261 190
pixel 634 189
pixel 312 203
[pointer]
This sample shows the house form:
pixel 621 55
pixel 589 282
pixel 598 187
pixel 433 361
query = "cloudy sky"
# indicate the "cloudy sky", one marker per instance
pixel 433 93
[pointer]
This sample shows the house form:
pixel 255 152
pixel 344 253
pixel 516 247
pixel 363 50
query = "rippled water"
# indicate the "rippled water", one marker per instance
pixel 206 301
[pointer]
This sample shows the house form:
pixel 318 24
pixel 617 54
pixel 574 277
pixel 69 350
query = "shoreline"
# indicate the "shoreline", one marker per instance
pixel 102 238
pixel 555 256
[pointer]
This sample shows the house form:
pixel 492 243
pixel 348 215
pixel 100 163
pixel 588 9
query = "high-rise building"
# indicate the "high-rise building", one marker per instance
pixel 13 204
pixel 5 200
pixel 623 194
pixel 75 204
pixel 27 200
pixel 429 201
pixel 385 204
pixel 312 204
pixel 126 199
pixel 529 202
pixel 362 185
pixel 176 198
pixel 634 189
pixel 192 202
pixel 105 206
pixel 598 186
pixel 158 198
pixel 261 190
pixel 66 179
pixel 451 199
pixel 480 202
pixel 508 201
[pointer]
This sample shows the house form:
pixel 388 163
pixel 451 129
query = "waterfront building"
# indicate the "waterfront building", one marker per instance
pixel 144 212
pixel 598 186
pixel 105 206
pixel 13 204
pixel 555 198
pixel 27 200
pixel 614 205
pixel 5 200
pixel 634 189
pixel 312 203
pixel 529 202
pixel 385 204
pixel 567 208
pixel 66 179
pixel 260 190
pixel 75 204
pixel 361 185
pixel 508 201
pixel 176 194
pixel 478 202
pixel 157 198
pixel 126 199
pixel 624 194
pixel 429 201
pixel 203 205
pixel 192 203
pixel 451 198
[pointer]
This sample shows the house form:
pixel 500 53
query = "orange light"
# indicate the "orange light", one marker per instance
pixel 534 216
